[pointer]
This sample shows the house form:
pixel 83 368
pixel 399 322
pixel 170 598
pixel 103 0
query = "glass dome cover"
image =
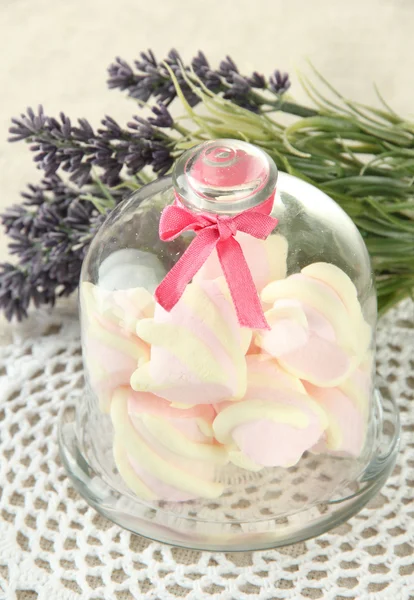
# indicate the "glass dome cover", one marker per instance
pixel 228 318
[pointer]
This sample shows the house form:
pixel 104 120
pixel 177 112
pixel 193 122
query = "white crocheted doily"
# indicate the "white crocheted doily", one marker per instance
pixel 54 547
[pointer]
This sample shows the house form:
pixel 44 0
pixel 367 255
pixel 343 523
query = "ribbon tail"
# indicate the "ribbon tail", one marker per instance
pixel 241 285
pixel 174 283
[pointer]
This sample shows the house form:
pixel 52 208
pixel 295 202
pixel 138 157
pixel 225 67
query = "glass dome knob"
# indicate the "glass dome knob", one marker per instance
pixel 224 176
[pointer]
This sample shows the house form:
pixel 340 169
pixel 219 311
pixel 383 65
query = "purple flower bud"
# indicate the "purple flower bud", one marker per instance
pixel 279 82
pixel 163 117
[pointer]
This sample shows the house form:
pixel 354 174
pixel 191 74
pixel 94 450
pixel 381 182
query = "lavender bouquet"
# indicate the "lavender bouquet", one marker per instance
pixel 361 156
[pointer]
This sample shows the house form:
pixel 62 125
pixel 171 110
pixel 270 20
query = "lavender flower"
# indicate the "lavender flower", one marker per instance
pixel 121 76
pixel 240 93
pixel 16 292
pixel 28 125
pixel 148 145
pixel 162 118
pixel 151 79
pixel 228 69
pixel 210 78
pixel 18 217
pixel 279 82
pixel 50 233
pixel 240 89
pixel 58 144
pixel 257 81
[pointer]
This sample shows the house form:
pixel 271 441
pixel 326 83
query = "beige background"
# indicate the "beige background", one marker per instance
pixel 56 53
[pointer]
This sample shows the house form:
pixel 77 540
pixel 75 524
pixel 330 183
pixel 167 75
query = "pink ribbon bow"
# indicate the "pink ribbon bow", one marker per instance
pixel 216 231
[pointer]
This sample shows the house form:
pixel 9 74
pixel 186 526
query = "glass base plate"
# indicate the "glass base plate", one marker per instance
pixel 258 510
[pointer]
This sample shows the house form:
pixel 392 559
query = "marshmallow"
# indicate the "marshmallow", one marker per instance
pixel 318 332
pixel 197 349
pixel 274 424
pixel 347 410
pixel 345 433
pixel 162 452
pixel 131 268
pixel 112 350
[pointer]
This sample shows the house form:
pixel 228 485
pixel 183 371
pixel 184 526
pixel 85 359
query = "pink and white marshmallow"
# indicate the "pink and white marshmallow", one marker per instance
pixel 347 411
pixel 165 453
pixel 197 349
pixel 112 348
pixel 275 422
pixel 318 332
